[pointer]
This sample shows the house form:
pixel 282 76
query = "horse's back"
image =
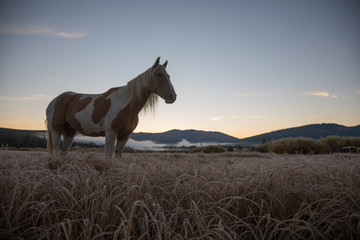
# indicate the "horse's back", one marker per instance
pixel 60 102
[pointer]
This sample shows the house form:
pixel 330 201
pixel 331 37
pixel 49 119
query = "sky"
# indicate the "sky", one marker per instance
pixel 238 67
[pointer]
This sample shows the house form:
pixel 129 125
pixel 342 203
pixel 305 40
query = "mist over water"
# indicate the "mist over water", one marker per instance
pixel 143 145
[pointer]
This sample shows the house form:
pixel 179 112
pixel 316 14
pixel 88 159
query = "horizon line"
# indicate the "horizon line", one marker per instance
pixel 44 130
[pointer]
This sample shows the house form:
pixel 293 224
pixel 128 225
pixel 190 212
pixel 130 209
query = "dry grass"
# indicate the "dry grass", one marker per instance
pixel 179 196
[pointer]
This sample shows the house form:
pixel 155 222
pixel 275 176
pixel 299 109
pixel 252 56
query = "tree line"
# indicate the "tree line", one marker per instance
pixel 31 141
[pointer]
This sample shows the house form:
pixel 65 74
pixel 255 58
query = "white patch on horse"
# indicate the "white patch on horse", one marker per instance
pixel 84 116
pixel 119 100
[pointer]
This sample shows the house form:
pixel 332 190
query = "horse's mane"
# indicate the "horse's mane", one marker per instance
pixel 137 87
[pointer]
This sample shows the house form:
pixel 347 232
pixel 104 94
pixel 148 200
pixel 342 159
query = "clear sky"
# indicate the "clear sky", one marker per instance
pixel 239 67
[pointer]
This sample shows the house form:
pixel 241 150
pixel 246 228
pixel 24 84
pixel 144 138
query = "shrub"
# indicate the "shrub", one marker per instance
pixel 213 149
pixel 292 145
pixel 308 145
pixel 335 143
pixel 209 149
pixel 263 148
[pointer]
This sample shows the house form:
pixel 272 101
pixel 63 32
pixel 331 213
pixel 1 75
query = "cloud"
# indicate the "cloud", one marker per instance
pixel 322 94
pixel 358 92
pixel 38 97
pixel 39 30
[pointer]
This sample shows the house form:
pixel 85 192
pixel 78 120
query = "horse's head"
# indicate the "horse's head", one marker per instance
pixel 160 82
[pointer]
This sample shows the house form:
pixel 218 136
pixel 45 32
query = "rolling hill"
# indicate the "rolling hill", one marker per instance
pixel 193 136
pixel 28 138
pixel 314 131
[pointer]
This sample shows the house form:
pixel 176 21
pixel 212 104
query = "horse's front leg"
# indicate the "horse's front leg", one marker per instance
pixel 68 140
pixel 110 137
pixel 120 145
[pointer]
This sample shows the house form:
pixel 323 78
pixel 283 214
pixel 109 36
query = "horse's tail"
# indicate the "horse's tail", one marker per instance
pixel 49 138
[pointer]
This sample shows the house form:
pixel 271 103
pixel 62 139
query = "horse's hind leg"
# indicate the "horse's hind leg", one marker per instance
pixel 55 137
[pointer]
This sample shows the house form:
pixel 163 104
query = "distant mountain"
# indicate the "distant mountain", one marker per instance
pixel 30 138
pixel 193 136
pixel 15 137
pixel 314 131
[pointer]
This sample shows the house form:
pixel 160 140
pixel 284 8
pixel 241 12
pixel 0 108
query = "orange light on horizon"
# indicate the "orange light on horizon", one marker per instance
pixel 24 125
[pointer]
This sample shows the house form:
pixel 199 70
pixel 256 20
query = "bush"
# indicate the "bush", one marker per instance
pixel 263 148
pixel 310 146
pixel 213 149
pixel 209 149
pixel 337 144
pixel 293 145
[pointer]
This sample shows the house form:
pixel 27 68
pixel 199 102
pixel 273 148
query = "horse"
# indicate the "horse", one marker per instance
pixel 113 114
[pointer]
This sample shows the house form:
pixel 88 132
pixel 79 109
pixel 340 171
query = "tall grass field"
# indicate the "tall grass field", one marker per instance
pixel 179 196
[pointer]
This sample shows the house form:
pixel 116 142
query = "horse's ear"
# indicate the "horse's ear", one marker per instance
pixel 156 63
pixel 165 64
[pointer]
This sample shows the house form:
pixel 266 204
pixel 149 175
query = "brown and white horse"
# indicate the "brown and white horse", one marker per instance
pixel 113 114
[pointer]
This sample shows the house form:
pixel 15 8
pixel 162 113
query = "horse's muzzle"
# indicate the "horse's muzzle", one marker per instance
pixel 171 98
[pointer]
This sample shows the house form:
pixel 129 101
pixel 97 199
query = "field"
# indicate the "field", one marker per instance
pixel 179 196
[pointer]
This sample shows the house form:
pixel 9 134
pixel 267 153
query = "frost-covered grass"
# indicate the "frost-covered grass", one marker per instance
pixel 179 196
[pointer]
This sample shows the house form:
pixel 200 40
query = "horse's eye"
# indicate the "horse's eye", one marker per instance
pixel 159 75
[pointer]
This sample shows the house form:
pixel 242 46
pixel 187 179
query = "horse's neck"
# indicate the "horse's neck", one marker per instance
pixel 138 102
pixel 139 93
